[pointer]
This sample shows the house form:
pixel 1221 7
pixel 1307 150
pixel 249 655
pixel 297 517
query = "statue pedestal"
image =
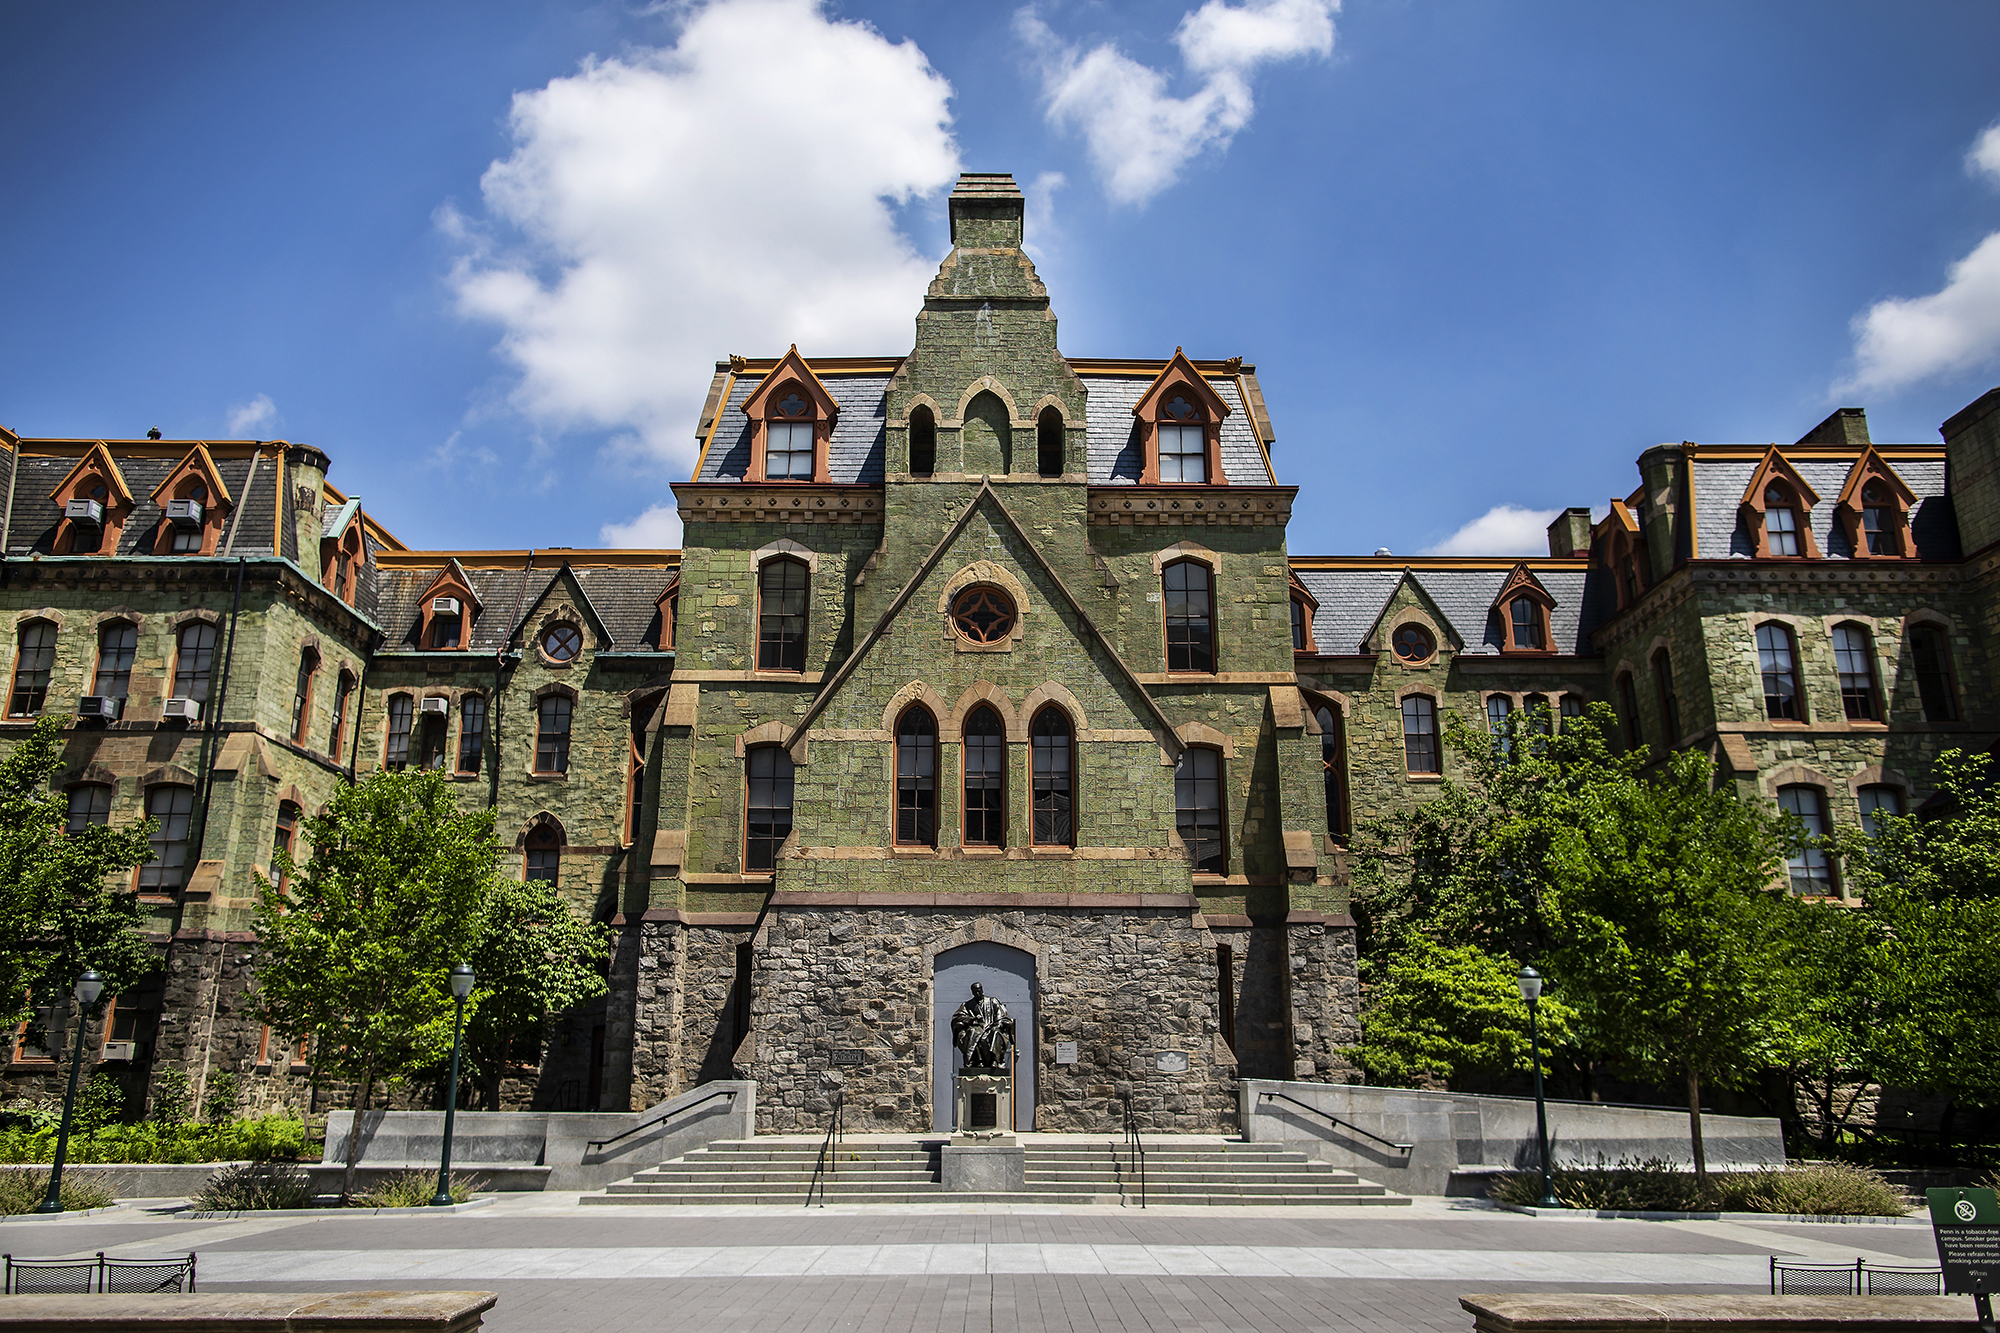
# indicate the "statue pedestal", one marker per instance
pixel 985 1104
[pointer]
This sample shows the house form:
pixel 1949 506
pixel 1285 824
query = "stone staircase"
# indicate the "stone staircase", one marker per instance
pixel 1059 1169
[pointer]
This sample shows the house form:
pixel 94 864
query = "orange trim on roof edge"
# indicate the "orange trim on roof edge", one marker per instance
pixel 1399 563
pixel 825 365
pixel 715 422
pixel 1750 453
pixel 96 451
pixel 201 458
pixel 603 558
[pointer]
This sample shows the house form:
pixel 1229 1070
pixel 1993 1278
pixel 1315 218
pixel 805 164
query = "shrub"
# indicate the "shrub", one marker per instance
pixel 220 1105
pixel 256 1186
pixel 171 1096
pixel 263 1138
pixel 413 1189
pixel 23 1191
pixel 1826 1189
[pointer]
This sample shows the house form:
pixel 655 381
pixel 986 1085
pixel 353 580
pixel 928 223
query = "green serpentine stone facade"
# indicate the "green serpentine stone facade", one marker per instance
pixel 984 461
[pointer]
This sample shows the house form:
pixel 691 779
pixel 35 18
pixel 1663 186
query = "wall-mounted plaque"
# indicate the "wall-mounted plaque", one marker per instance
pixel 1170 1062
pixel 1065 1052
pixel 850 1055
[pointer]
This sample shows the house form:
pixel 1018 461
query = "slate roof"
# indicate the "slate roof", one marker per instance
pixel 859 439
pixel 1351 602
pixel 254 522
pixel 1718 492
pixel 622 596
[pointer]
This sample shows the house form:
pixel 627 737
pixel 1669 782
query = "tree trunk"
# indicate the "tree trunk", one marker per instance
pixel 1694 1129
pixel 354 1136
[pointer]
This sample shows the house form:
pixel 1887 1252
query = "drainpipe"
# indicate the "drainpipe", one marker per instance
pixel 499 659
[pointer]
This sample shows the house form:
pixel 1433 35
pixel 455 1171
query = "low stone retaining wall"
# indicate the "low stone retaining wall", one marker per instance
pixel 1461 1141
pixel 254 1312
pixel 140 1180
pixel 1562 1312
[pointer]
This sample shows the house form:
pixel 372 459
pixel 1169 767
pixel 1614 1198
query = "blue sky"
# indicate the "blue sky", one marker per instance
pixel 1481 254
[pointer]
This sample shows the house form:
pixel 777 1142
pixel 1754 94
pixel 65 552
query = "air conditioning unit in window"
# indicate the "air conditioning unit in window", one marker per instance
pixel 87 512
pixel 184 513
pixel 121 1050
pixel 100 706
pixel 444 606
pixel 181 710
pixel 434 705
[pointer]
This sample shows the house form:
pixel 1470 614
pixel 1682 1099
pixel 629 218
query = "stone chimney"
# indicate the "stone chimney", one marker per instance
pixel 1569 535
pixel 1847 426
pixel 986 212
pixel 1972 452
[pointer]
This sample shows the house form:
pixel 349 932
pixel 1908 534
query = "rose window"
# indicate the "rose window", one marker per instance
pixel 1414 644
pixel 562 642
pixel 983 614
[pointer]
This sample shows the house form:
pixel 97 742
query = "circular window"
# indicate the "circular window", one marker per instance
pixel 983 614
pixel 1414 643
pixel 561 643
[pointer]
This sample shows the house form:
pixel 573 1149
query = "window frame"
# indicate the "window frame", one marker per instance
pixel 1168 619
pixel 154 885
pixel 343 698
pixel 400 707
pixel 790 653
pixel 1192 755
pixel 1863 704
pixel 1875 790
pixel 302 693
pixel 110 795
pixel 1945 674
pixel 784 771
pixel 1333 770
pixel 123 677
pixel 992 818
pixel 1037 747
pixel 546 841
pixel 466 732
pixel 1807 857
pixel 1425 735
pixel 30 700
pixel 914 807
pixel 285 836
pixel 551 743
pixel 201 678
pixel 1767 674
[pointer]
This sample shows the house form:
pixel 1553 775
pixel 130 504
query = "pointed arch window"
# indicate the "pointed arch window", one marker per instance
pixel 302 695
pixel 1053 752
pixel 1498 709
pixel 985 761
pixel 1781 521
pixel 1190 616
pixel 782 585
pixel 1049 443
pixel 34 663
pixel 1333 768
pixel 1198 809
pixel 543 856
pixel 1527 625
pixel 284 840
pixel 343 696
pixel 1876 801
pixel 768 797
pixel 1778 663
pixel 916 778
pixel 1183 441
pixel 1879 520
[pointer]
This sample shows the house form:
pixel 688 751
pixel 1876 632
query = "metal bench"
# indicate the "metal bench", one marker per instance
pixel 79 1277
pixel 1860 1278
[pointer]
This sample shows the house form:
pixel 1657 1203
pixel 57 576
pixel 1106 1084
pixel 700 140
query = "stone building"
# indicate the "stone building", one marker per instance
pixel 981 662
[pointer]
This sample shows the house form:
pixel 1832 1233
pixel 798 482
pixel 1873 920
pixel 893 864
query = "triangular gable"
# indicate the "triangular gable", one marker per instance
pixel 590 613
pixel 1430 606
pixel 97 458
pixel 1776 464
pixel 791 366
pixel 1871 466
pixel 1180 370
pixel 1522 580
pixel 452 579
pixel 197 460
pixel 1168 736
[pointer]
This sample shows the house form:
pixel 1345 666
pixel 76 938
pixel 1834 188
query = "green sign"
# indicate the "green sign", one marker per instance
pixel 1966 1223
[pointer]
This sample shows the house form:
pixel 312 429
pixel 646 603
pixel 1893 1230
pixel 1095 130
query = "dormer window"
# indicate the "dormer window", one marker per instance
pixel 1525 623
pixel 194 507
pixel 1781 522
pixel 447 622
pixel 1878 520
pixel 791 420
pixel 1522 608
pixel 789 456
pixel 1179 423
pixel 1873 511
pixel 1183 448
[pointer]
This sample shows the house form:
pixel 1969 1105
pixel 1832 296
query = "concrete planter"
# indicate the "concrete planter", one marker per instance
pixel 142 1180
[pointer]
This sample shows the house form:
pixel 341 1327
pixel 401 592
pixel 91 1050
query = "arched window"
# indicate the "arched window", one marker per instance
pixel 1298 625
pixel 343 694
pixel 1498 708
pixel 788 439
pixel 1932 660
pixel 171 809
pixel 1778 661
pixel 635 780
pixel 1189 616
pixel 1628 703
pixel 1049 443
pixel 34 662
pixel 1536 706
pixel 1333 769
pixel 552 719
pixel 916 778
pixel 1572 706
pixel 768 818
pixel 1183 441
pixel 284 840
pixel 1854 660
pixel 1420 734
pixel 985 757
pixel 194 663
pixel 1879 520
pixel 1781 521
pixel 1525 622
pixel 923 442
pixel 302 694
pixel 402 712
pixel 1670 705
pixel 781 615
pixel 1054 761
pixel 89 804
pixel 1876 801
pixel 86 535
pixel 117 644
pixel 188 534
pixel 1811 870
pixel 1198 809
pixel 544 856
pixel 471 732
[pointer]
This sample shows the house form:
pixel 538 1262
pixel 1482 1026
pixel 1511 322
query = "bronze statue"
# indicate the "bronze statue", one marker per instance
pixel 983 1031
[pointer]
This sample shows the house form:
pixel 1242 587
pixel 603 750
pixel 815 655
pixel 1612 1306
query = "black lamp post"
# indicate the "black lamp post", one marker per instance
pixel 461 986
pixel 88 987
pixel 1530 982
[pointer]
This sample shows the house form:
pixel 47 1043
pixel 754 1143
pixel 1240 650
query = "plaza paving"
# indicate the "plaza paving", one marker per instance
pixel 558 1266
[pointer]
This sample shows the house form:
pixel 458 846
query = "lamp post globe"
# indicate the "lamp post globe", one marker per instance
pixel 1530 982
pixel 88 987
pixel 461 980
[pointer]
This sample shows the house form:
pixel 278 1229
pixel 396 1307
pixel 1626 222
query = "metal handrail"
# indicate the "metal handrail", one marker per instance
pixel 1403 1148
pixel 829 1148
pixel 1135 1148
pixel 595 1144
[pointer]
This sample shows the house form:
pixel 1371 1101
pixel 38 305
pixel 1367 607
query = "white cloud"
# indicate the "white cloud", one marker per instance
pixel 1984 159
pixel 1898 342
pixel 1501 530
pixel 657 528
pixel 1139 135
pixel 247 419
pixel 1039 227
pixel 728 193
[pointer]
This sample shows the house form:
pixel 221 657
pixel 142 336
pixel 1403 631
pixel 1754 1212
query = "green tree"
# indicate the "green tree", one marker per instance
pixel 359 940
pixel 1827 1009
pixel 65 901
pixel 536 959
pixel 1438 1011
